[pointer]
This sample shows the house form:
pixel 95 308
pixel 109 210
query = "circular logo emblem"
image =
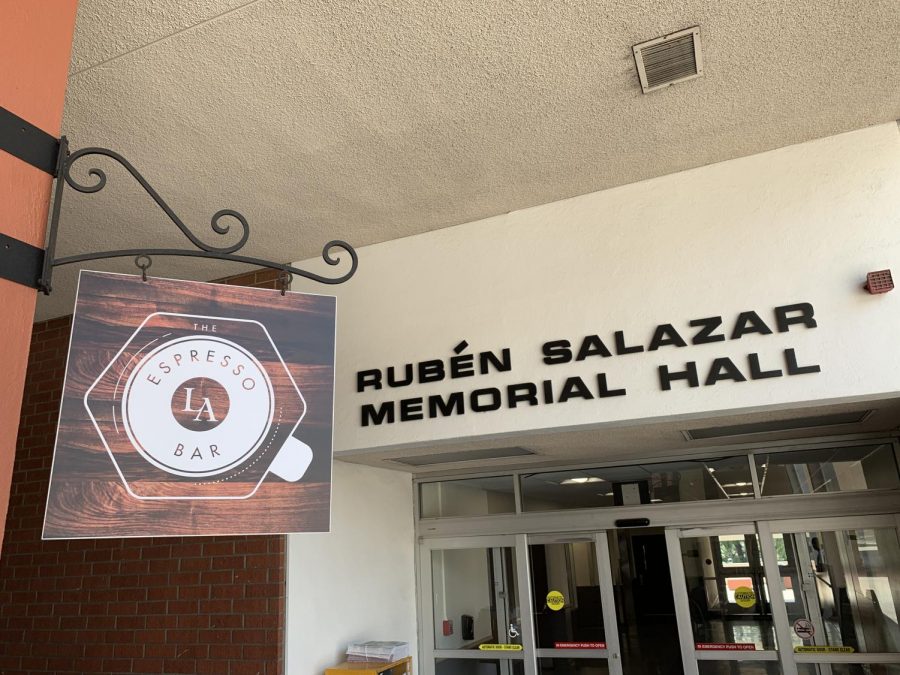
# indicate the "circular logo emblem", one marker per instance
pixel 804 629
pixel 197 406
pixel 744 597
pixel 555 600
pixel 200 403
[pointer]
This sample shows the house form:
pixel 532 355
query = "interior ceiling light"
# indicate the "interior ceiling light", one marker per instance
pixel 581 480
pixel 669 59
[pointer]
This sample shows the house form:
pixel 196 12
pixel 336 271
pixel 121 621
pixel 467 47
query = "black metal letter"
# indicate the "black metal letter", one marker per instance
pixel 757 373
pixel 592 345
pixel 805 317
pixel 366 378
pixel 557 351
pixel 689 374
pixel 371 414
pixel 793 369
pixel 621 347
pixel 664 335
pixel 603 390
pixel 724 369
pixel 749 322
pixel 708 325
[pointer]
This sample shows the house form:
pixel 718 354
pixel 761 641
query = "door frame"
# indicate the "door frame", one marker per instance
pixel 612 653
pixel 428 650
pixel 529 653
pixel 690 655
pixel 765 531
pixel 795 525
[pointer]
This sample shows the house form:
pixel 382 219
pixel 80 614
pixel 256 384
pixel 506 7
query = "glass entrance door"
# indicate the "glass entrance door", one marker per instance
pixel 844 605
pixel 721 586
pixel 805 597
pixel 519 605
pixel 572 605
pixel 478 622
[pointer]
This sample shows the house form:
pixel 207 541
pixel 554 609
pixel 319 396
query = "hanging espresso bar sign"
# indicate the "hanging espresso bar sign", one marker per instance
pixel 664 338
pixel 193 408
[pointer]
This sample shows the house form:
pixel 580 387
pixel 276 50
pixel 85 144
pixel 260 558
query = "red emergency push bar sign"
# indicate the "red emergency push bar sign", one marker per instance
pixel 727 646
pixel 579 645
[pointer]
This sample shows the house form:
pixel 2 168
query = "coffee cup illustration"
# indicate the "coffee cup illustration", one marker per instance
pixel 199 407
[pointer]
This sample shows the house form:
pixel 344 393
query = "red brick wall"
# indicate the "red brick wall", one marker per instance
pixel 153 605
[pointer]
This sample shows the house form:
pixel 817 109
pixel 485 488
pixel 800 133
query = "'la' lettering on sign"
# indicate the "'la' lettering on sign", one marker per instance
pixel 192 408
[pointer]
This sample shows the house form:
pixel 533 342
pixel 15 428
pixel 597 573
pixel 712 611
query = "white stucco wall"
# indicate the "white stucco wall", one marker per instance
pixel 799 224
pixel 358 581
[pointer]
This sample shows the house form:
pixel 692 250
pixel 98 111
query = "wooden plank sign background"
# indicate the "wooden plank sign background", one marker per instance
pixel 193 409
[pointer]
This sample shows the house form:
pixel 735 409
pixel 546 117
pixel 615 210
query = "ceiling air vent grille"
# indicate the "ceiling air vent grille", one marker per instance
pixel 669 59
pixel 462 456
pixel 774 426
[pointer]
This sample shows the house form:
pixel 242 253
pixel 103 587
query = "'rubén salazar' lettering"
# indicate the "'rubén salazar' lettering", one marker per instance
pixel 698 332
pixel 458 366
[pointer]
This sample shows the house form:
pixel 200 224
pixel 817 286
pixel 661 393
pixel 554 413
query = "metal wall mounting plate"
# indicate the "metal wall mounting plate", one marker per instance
pixel 20 262
pixel 27 142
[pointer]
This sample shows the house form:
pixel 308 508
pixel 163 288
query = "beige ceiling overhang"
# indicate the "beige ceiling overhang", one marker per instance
pixel 370 121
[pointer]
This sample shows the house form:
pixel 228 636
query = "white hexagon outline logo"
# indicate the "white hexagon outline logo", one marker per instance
pixel 290 462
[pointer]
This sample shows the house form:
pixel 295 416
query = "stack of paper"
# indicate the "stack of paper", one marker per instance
pixel 381 652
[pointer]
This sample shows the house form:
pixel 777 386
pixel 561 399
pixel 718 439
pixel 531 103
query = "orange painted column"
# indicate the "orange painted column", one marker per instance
pixel 35 47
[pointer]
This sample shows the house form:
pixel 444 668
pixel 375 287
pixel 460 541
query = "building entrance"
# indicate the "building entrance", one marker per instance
pixel 645 610
pixel 807 596
pixel 755 569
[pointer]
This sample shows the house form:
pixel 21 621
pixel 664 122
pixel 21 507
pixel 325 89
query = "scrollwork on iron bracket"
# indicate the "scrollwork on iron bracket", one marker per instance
pixel 203 249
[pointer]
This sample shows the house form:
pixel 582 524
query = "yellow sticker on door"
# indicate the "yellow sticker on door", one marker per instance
pixel 556 600
pixel 744 597
pixel 500 648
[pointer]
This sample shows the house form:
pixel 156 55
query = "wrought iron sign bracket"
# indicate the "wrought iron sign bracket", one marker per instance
pixel 33 267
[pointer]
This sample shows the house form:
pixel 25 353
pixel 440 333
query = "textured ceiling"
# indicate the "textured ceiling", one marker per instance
pixel 372 120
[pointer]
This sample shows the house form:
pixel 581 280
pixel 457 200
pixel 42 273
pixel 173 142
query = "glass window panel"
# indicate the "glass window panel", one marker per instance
pixel 478 667
pixel 739 667
pixel 846 588
pixel 566 591
pixel 861 467
pixel 689 480
pixel 475 597
pixel 848 669
pixel 468 497
pixel 572 667
pixel 727 593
